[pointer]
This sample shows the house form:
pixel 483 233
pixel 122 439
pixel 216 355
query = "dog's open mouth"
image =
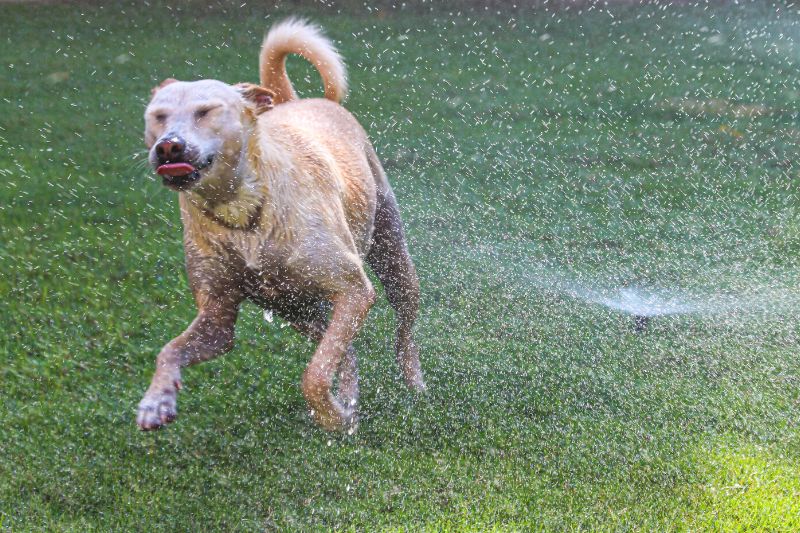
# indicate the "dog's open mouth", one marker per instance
pixel 180 175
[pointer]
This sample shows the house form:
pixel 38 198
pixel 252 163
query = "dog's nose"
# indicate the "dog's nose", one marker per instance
pixel 170 149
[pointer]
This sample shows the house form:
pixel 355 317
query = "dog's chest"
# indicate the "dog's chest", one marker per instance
pixel 263 265
pixel 275 288
pixel 253 253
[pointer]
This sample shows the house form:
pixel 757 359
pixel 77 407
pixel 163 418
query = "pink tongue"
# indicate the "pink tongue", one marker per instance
pixel 175 169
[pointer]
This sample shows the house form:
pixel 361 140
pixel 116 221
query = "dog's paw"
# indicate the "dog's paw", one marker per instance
pixel 417 385
pixel 351 422
pixel 338 419
pixel 408 360
pixel 412 375
pixel 157 409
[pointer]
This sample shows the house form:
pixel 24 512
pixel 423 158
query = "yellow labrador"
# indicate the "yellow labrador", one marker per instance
pixel 282 200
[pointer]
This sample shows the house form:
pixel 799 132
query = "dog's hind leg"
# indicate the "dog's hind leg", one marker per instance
pixel 389 259
pixel 311 320
pixel 339 274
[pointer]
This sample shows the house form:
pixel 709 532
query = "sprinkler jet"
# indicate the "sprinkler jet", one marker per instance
pixel 640 323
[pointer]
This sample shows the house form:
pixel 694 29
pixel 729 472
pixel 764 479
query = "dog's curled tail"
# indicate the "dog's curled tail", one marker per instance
pixel 297 36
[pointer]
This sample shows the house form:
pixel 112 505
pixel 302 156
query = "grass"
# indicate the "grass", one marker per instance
pixel 652 146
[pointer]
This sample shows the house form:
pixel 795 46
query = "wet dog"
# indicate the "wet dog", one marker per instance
pixel 282 201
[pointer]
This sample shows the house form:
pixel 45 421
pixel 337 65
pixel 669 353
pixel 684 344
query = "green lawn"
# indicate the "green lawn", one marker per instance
pixel 652 146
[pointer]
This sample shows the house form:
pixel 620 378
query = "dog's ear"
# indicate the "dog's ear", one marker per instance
pixel 259 97
pixel 161 85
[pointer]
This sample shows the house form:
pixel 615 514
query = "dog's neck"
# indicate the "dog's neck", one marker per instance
pixel 240 203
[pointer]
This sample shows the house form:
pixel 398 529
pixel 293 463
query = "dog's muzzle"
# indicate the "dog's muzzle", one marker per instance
pixel 175 163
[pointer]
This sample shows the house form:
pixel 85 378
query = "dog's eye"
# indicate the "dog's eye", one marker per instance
pixel 200 113
pixel 161 117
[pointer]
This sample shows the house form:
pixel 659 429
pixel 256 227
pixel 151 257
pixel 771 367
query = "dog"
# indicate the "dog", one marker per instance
pixel 282 202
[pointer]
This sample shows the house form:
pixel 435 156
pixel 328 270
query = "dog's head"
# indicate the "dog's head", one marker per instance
pixel 196 131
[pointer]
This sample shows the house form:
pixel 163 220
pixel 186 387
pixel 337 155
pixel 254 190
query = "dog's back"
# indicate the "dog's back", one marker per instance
pixel 319 129
pixel 336 156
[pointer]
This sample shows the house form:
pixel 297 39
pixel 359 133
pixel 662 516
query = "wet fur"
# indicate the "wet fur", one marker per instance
pixel 294 204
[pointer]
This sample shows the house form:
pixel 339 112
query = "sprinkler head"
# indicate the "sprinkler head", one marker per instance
pixel 640 323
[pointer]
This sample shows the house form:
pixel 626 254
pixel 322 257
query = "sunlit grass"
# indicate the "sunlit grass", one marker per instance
pixel 748 488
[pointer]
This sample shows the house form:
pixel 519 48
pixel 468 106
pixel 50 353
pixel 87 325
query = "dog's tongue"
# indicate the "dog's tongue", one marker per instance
pixel 175 169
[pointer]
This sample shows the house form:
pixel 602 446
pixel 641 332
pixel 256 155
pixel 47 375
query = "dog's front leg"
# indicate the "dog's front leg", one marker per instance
pixel 350 308
pixel 209 335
